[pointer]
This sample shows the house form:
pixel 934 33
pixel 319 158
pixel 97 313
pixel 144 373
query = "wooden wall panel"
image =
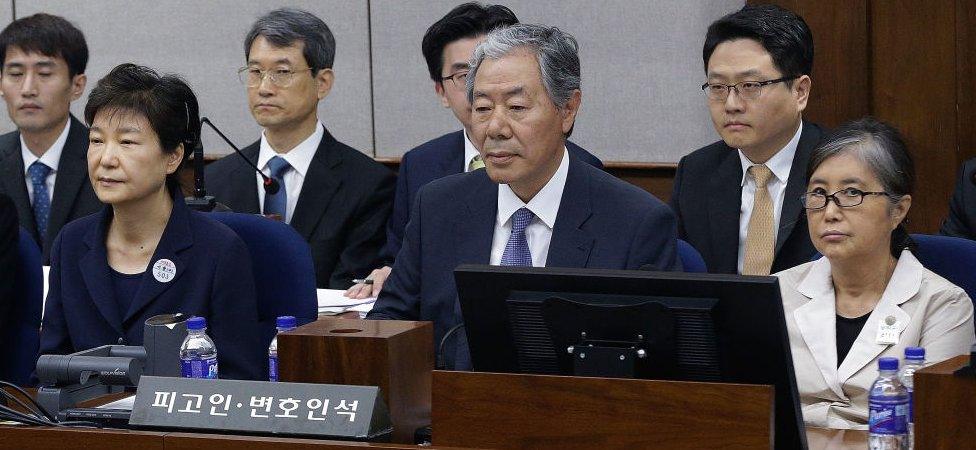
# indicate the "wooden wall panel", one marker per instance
pixel 841 43
pixel 966 77
pixel 913 75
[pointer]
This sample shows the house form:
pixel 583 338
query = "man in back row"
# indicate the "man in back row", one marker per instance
pixel 44 162
pixel 737 200
pixel 447 47
pixel 536 204
pixel 337 198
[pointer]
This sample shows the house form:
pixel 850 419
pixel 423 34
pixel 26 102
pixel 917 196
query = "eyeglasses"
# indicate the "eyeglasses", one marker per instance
pixel 459 79
pixel 253 77
pixel 845 198
pixel 748 90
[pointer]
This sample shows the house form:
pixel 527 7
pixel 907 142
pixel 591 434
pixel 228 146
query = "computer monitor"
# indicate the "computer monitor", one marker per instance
pixel 633 324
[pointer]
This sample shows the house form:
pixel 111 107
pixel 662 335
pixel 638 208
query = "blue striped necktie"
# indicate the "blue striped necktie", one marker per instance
pixel 277 203
pixel 517 249
pixel 38 172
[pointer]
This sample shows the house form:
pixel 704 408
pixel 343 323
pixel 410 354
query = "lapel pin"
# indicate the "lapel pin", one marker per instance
pixel 164 271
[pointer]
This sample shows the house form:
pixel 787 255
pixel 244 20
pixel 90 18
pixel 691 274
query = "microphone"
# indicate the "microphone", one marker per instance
pixel 271 186
pixel 200 201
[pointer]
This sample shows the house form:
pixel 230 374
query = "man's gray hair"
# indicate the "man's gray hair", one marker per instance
pixel 555 50
pixel 284 26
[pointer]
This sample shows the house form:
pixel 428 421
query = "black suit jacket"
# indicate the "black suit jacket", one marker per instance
pixel 707 200
pixel 9 261
pixel 73 195
pixel 962 207
pixel 342 210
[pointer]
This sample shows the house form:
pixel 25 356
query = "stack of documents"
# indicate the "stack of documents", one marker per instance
pixel 332 302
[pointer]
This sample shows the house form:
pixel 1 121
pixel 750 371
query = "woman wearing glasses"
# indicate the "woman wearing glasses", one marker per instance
pixel 868 296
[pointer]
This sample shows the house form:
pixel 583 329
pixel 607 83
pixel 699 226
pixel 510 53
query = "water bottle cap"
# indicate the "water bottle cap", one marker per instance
pixel 888 363
pixel 286 322
pixel 196 323
pixel 914 353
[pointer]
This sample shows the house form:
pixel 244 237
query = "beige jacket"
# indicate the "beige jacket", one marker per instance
pixel 930 312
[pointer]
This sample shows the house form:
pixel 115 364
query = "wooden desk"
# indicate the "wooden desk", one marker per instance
pixel 45 438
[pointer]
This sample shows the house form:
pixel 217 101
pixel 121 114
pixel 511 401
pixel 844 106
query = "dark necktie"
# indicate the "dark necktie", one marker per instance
pixel 38 172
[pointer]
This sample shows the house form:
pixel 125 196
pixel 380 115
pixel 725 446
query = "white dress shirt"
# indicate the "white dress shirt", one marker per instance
pixel 780 164
pixel 470 151
pixel 299 158
pixel 50 158
pixel 545 207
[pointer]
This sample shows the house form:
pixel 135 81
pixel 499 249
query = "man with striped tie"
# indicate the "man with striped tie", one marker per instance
pixel 536 204
pixel 43 164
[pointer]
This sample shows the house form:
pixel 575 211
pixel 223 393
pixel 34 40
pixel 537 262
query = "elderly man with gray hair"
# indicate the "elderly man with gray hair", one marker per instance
pixel 536 205
pixel 336 197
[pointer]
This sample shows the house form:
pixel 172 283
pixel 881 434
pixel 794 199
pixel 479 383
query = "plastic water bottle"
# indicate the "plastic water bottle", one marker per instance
pixel 198 354
pixel 284 323
pixel 888 409
pixel 914 360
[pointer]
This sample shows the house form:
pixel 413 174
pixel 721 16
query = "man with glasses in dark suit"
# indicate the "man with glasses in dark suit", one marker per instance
pixel 336 197
pixel 737 199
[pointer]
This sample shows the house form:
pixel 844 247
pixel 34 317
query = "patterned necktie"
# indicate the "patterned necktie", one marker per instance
pixel 277 203
pixel 38 172
pixel 476 163
pixel 760 238
pixel 517 249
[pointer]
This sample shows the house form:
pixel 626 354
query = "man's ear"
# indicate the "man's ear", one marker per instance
pixel 78 83
pixel 325 79
pixel 570 110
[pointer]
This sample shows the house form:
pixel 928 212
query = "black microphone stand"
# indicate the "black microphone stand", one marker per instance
pixel 200 201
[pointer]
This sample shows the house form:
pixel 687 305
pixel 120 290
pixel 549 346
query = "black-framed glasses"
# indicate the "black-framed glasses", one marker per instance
pixel 253 77
pixel 749 90
pixel 845 198
pixel 459 78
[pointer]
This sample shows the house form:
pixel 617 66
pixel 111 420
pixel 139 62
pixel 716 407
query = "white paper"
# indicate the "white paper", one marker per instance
pixel 47 278
pixel 122 403
pixel 331 298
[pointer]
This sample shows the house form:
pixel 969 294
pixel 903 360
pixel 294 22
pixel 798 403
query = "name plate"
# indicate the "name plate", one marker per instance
pixel 301 409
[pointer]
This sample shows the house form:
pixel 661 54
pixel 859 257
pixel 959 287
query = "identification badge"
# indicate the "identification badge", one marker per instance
pixel 164 270
pixel 888 331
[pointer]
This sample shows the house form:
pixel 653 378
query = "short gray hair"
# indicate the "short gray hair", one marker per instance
pixel 882 148
pixel 283 26
pixel 555 50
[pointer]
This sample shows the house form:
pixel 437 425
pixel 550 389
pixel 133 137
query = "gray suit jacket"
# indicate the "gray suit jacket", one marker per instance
pixel 73 195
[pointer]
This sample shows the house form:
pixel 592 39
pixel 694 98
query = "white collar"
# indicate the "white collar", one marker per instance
pixel 545 204
pixel 51 157
pixel 905 282
pixel 780 164
pixel 470 151
pixel 299 157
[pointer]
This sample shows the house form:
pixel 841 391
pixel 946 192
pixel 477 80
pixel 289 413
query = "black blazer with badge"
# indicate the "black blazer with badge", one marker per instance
pixel 342 210
pixel 73 195
pixel 707 201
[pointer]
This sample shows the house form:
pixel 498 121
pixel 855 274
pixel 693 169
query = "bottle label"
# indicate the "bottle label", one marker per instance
pixel 199 368
pixel 888 415
pixel 273 368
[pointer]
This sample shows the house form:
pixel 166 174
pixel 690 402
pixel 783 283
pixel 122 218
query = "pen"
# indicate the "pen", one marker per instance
pixel 362 281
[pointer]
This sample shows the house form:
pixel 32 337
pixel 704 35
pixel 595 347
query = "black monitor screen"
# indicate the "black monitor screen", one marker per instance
pixel 632 324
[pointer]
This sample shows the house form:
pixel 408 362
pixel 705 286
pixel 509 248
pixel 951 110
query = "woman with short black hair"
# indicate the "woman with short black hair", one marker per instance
pixel 146 253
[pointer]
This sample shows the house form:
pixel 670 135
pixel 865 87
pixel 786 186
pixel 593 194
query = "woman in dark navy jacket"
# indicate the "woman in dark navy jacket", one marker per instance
pixel 146 253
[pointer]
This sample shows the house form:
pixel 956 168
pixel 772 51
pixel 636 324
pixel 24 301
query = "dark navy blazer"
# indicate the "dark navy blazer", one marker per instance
pixel 213 279
pixel 602 223
pixel 430 161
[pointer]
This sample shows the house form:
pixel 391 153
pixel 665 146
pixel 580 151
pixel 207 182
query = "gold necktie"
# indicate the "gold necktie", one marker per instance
pixel 476 163
pixel 760 238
